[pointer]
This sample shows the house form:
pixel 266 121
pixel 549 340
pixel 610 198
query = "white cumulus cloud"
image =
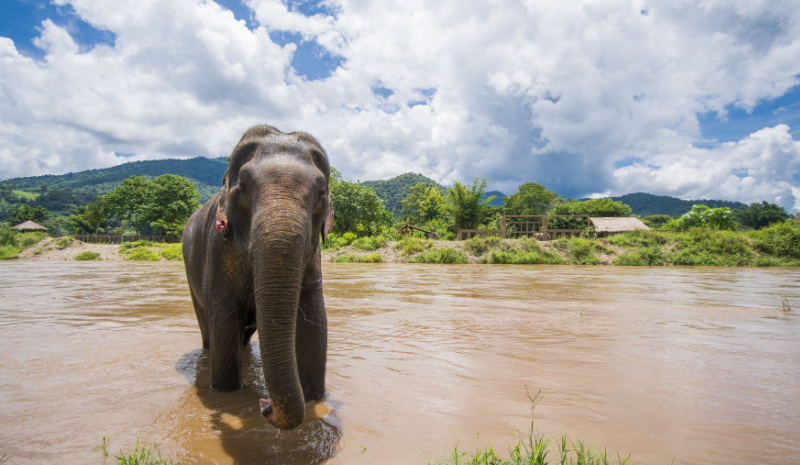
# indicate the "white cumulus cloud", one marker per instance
pixel 584 97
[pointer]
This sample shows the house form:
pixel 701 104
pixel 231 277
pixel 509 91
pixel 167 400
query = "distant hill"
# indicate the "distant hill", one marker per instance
pixel 498 200
pixel 205 173
pixel 648 204
pixel 60 193
pixel 393 191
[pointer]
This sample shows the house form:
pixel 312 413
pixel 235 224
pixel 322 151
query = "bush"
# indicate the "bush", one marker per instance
pixel 172 252
pixel 64 242
pixel 780 240
pixel 8 252
pixel 87 255
pixel 441 255
pixel 579 250
pixel 638 238
pixel 369 242
pixel 26 240
pixel 480 245
pixel 519 257
pixel 353 258
pixel 337 241
pixel 649 256
pixel 142 254
pixel 411 245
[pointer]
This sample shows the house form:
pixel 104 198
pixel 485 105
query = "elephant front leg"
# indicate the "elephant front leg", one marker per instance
pixel 311 343
pixel 226 349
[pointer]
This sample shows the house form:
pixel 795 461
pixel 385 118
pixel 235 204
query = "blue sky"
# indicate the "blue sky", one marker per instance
pixel 587 98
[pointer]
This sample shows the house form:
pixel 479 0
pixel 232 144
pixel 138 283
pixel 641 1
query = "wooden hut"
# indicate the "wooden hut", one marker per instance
pixel 30 226
pixel 611 225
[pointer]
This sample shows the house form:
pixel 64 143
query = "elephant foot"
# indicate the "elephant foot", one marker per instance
pixel 266 407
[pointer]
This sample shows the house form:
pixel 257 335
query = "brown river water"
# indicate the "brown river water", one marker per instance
pixel 699 365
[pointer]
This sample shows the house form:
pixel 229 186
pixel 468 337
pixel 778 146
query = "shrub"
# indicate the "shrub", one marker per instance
pixel 638 238
pixel 442 255
pixel 649 256
pixel 87 255
pixel 370 242
pixel 8 252
pixel 780 240
pixel 64 242
pixel 353 258
pixel 26 240
pixel 411 245
pixel 579 250
pixel 172 252
pixel 519 257
pixel 480 245
pixel 337 241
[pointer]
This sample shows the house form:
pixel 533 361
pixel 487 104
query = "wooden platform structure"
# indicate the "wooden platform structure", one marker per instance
pixel 541 226
pixel 112 239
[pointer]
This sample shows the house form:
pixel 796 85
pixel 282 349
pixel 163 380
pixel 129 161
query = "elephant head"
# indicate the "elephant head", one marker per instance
pixel 272 209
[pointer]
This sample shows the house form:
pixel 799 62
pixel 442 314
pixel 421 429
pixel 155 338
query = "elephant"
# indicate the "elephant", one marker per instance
pixel 252 258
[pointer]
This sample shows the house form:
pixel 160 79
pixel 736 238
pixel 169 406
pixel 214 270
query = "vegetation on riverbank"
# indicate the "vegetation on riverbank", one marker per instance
pixel 151 251
pixel 777 245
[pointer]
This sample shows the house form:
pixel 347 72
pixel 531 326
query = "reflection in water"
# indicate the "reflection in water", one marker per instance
pixel 698 364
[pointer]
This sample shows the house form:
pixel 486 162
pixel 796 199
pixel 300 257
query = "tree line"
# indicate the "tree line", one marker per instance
pixel 162 206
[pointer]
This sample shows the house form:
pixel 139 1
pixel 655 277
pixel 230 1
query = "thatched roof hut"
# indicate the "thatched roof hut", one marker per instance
pixel 29 226
pixel 605 225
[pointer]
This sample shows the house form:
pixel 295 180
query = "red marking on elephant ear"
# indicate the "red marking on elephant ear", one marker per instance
pixel 328 227
pixel 222 225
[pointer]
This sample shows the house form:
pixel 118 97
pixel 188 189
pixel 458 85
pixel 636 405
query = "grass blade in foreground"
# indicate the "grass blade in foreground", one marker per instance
pixel 532 448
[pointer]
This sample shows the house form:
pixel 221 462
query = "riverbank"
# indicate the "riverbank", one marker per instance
pixel 775 246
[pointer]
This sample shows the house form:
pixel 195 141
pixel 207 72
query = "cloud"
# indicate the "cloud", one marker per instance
pixel 565 94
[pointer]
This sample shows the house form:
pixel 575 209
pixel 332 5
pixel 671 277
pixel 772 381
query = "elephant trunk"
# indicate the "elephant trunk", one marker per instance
pixel 279 260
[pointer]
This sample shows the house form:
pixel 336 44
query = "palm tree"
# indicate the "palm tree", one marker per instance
pixel 466 206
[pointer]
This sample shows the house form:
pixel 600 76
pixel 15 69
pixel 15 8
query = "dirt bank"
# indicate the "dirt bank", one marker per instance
pixel 50 250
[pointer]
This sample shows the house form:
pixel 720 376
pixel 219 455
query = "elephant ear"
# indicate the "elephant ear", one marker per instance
pixel 222 224
pixel 327 227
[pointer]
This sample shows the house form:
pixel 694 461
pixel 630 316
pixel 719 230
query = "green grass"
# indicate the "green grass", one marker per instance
pixel 87 255
pixel 521 257
pixel 336 241
pixel 13 242
pixel 410 245
pixel 139 251
pixel 441 255
pixel 354 258
pixel 141 455
pixel 533 448
pixel 369 242
pixel 64 242
pixel 580 251
pixel 172 251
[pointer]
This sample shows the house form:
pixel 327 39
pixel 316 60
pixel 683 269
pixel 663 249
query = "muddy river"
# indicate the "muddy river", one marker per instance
pixel 697 365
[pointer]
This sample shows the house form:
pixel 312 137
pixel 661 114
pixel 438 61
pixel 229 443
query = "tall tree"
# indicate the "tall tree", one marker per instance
pixel 425 202
pixel 531 199
pixel 25 213
pixel 760 215
pixel 465 206
pixel 130 201
pixel 357 209
pixel 171 201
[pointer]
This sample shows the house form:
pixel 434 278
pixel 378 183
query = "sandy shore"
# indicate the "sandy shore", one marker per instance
pixel 46 251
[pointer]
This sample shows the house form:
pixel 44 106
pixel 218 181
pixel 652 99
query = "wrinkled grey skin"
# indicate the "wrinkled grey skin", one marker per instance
pixel 252 256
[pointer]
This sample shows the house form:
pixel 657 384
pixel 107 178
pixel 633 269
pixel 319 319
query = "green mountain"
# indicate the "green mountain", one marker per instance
pixel 60 193
pixel 644 204
pixel 393 191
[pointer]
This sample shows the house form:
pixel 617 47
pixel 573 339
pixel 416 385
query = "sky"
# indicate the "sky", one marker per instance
pixel 689 98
